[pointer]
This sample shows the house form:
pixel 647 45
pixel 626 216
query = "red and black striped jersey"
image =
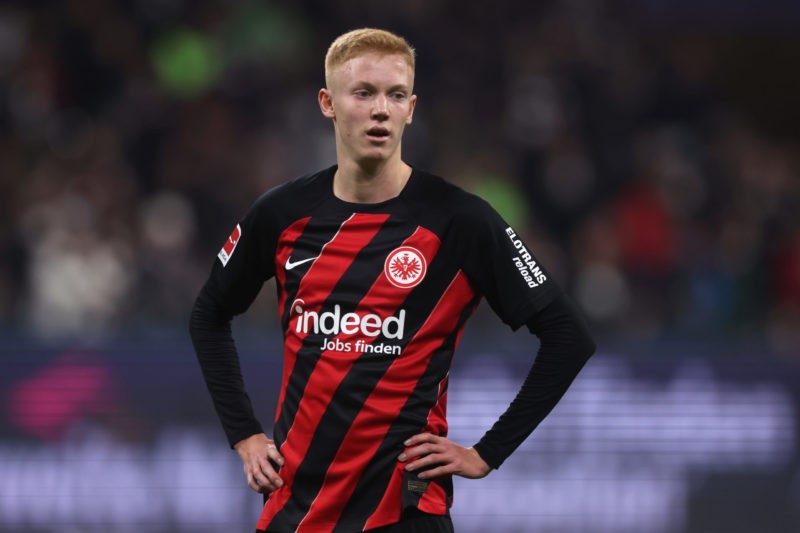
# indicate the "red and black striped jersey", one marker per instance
pixel 372 299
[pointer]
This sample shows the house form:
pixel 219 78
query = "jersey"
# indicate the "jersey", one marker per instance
pixel 373 299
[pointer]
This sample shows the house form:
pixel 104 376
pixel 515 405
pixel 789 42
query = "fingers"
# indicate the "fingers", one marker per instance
pixel 423 444
pixel 444 464
pixel 260 457
pixel 443 470
pixel 274 454
pixel 262 477
pixel 426 449
pixel 251 481
pixel 263 473
pixel 439 456
pixel 422 438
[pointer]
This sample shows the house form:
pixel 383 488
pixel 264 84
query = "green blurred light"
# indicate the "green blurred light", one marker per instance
pixel 261 31
pixel 186 63
pixel 504 197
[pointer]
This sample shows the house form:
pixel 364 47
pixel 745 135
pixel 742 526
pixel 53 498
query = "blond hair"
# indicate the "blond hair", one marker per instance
pixel 364 40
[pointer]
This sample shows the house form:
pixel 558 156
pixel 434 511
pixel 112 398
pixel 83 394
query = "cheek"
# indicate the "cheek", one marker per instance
pixel 347 117
pixel 347 125
pixel 404 112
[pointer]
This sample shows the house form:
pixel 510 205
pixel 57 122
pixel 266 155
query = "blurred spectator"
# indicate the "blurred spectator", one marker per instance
pixel 133 134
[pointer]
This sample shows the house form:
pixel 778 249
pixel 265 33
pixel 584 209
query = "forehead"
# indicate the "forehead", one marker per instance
pixel 374 67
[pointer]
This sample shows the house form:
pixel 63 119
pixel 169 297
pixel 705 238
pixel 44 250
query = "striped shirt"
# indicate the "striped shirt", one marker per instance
pixel 373 299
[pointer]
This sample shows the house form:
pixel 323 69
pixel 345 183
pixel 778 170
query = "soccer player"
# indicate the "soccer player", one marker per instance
pixel 378 266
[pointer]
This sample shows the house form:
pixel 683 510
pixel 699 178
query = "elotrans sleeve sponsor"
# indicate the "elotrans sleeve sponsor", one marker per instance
pixel 525 262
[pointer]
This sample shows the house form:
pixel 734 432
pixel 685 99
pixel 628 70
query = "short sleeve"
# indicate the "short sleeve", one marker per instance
pixel 503 267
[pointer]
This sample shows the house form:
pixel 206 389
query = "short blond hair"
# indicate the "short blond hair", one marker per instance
pixel 364 40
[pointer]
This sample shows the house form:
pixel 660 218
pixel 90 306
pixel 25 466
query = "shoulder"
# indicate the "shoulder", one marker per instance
pixel 299 192
pixel 281 205
pixel 450 211
pixel 435 193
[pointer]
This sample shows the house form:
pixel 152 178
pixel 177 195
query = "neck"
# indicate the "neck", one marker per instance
pixel 370 184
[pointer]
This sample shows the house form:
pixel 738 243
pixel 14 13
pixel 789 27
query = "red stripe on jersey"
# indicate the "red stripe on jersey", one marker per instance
pixel 388 510
pixel 290 235
pixel 437 418
pixel 434 501
pixel 385 403
pixel 285 248
pixel 334 259
pixel 383 299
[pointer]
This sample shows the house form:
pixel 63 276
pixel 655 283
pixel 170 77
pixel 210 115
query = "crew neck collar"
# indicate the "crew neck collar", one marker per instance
pixel 403 192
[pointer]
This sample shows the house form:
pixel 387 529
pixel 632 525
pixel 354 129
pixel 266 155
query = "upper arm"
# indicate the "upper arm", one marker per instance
pixel 503 267
pixel 245 261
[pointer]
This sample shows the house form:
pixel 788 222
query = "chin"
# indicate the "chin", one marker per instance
pixel 374 157
pixel 370 162
pixel 381 152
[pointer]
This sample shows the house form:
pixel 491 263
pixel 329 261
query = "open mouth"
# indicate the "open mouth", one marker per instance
pixel 378 132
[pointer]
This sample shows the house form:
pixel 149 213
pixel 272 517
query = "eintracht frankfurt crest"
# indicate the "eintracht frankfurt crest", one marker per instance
pixel 405 267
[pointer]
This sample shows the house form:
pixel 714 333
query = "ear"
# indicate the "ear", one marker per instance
pixel 412 103
pixel 326 103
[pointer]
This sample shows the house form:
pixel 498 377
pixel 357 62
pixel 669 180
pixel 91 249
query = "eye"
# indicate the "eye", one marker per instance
pixel 361 93
pixel 398 96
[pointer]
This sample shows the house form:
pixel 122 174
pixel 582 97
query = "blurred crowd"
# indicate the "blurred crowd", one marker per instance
pixel 648 155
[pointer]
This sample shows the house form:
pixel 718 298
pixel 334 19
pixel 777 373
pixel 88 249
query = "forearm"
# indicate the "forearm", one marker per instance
pixel 566 345
pixel 216 352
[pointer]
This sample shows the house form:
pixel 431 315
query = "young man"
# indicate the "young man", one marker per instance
pixel 378 267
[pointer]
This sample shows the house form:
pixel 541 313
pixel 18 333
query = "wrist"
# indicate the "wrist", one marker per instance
pixel 484 451
pixel 245 442
pixel 480 461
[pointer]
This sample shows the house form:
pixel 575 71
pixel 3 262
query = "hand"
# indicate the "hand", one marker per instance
pixel 256 452
pixel 426 449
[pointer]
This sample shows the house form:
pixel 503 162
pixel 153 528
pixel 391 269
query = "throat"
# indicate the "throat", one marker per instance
pixel 368 187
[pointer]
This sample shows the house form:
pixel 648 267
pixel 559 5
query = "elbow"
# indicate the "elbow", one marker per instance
pixel 206 316
pixel 199 316
pixel 562 328
pixel 581 349
pixel 585 344
pixel 198 324
pixel 195 318
pixel 590 347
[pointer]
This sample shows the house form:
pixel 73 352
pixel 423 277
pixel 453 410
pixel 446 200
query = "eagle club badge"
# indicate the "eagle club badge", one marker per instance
pixel 230 245
pixel 405 267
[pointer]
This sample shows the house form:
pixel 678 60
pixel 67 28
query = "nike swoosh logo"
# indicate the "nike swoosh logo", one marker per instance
pixel 290 265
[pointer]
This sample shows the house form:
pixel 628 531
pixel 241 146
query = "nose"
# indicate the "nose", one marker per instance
pixel 380 107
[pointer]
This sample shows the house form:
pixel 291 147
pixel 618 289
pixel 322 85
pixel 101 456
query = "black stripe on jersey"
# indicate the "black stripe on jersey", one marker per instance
pixel 345 405
pixel 368 265
pixel 317 234
pixel 310 243
pixel 365 497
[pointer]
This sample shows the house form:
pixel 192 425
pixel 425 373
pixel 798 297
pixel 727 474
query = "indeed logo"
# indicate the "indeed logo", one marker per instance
pixel 334 322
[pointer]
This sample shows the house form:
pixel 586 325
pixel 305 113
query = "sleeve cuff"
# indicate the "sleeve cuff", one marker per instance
pixel 242 433
pixel 492 459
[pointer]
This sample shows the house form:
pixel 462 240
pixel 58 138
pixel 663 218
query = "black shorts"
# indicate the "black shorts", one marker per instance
pixel 415 521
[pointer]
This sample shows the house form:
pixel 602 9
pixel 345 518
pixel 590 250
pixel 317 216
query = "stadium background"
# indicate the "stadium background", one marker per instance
pixel 646 149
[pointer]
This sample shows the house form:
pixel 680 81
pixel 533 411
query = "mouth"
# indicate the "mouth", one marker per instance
pixel 378 133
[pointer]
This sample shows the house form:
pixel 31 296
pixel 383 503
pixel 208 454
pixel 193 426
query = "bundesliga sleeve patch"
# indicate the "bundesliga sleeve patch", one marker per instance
pixel 230 245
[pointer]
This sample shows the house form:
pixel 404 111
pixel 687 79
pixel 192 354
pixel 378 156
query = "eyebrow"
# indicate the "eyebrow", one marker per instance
pixel 397 87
